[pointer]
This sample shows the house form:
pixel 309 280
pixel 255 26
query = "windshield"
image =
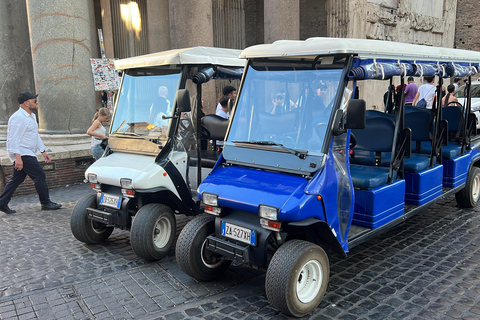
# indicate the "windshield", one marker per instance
pixel 285 109
pixel 461 92
pixel 145 100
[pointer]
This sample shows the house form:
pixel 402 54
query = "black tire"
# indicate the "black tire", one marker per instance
pixel 469 196
pixel 297 277
pixel 153 231
pixel 85 229
pixel 191 255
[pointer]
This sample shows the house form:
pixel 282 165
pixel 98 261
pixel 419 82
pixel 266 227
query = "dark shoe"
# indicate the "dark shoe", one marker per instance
pixel 6 209
pixel 51 206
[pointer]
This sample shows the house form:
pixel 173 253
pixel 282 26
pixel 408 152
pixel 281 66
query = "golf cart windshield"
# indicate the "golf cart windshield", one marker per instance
pixel 145 100
pixel 286 109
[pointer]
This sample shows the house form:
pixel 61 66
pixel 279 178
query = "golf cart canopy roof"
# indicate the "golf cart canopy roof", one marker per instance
pixel 363 48
pixel 195 55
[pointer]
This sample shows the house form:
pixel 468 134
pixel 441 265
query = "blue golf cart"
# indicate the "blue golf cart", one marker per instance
pixel 307 170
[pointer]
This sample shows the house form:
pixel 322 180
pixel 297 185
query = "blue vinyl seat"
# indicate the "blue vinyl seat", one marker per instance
pixel 376 137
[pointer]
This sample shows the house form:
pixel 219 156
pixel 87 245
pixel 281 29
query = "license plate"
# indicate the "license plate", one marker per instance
pixel 111 201
pixel 238 233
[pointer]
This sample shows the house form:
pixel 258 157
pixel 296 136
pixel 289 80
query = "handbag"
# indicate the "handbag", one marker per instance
pixel 422 103
pixel 104 144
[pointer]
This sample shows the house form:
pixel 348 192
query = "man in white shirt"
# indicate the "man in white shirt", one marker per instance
pixel 427 92
pixel 231 93
pixel 23 142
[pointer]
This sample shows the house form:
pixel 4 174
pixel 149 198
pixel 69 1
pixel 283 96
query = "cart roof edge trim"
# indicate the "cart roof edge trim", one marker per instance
pixel 364 48
pixel 193 55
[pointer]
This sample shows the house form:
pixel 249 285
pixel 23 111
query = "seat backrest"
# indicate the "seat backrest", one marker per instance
pixel 376 136
pixel 453 114
pixel 419 123
pixel 276 123
pixel 378 114
pixel 409 109
pixel 216 125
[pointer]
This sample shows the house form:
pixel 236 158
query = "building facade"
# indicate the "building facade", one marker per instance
pixel 48 44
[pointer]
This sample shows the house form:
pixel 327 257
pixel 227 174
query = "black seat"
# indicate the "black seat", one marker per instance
pixel 216 128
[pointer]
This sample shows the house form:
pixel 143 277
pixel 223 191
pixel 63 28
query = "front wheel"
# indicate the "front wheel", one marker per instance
pixel 85 229
pixel 191 254
pixel 469 196
pixel 153 231
pixel 297 277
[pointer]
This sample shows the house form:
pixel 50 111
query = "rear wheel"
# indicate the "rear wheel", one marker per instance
pixel 191 253
pixel 469 196
pixel 297 277
pixel 153 231
pixel 85 229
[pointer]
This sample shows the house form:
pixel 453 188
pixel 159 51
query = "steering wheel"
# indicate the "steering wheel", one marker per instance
pixel 454 103
pixel 353 141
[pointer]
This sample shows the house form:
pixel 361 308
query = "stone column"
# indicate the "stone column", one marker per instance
pixel 107 28
pixel 282 20
pixel 346 18
pixel 61 41
pixel 191 23
pixel 15 58
pixel 158 25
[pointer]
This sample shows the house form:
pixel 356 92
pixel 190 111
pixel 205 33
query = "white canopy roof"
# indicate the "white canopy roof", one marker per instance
pixel 196 55
pixel 364 48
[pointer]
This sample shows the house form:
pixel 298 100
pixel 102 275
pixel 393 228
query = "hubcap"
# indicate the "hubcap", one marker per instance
pixel 162 232
pixel 309 281
pixel 209 258
pixel 476 188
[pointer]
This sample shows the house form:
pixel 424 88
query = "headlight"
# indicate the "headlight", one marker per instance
pixel 126 183
pixel 92 178
pixel 211 204
pixel 267 212
pixel 210 199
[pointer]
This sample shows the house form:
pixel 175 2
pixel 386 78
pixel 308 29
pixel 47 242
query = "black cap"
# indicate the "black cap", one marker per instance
pixel 24 96
pixel 410 78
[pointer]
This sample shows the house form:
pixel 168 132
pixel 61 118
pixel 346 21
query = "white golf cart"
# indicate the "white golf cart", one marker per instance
pixel 154 161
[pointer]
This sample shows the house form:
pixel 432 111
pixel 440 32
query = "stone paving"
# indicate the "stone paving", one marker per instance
pixel 425 268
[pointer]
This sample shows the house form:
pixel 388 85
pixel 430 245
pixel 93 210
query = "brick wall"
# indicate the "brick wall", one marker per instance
pixel 467 27
pixel 66 172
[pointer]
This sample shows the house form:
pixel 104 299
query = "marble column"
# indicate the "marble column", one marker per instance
pixel 282 20
pixel 61 39
pixel 158 25
pixel 15 58
pixel 191 23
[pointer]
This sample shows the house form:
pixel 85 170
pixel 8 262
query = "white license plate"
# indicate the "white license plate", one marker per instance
pixel 111 201
pixel 238 233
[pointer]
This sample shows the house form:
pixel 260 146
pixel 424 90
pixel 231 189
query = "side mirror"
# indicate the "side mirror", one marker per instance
pixel 182 98
pixel 356 114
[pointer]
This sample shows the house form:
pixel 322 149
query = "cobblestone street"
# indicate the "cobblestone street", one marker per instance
pixel 425 268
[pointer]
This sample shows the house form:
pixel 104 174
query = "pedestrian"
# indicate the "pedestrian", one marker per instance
pixel 450 98
pixel 104 99
pixel 410 91
pixel 98 131
pixel 425 94
pixel 456 83
pixel 230 92
pixel 23 142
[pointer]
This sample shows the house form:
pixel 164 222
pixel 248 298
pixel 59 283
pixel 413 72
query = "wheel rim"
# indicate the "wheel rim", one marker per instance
pixel 309 281
pixel 162 232
pixel 476 188
pixel 209 258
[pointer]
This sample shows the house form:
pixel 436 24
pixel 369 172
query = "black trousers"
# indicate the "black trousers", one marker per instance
pixel 34 170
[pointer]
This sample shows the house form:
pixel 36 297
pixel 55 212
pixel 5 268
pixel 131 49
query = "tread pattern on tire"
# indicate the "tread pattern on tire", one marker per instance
pixel 279 273
pixel 79 223
pixel 463 197
pixel 186 259
pixel 140 233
